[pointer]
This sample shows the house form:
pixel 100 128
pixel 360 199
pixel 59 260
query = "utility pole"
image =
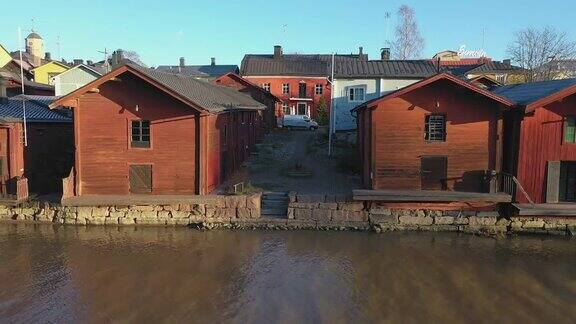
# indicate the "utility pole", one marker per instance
pixel 22 82
pixel 332 107
pixel 105 52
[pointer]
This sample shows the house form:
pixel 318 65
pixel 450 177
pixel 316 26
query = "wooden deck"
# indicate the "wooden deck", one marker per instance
pixel 560 209
pixel 429 196
pixel 135 200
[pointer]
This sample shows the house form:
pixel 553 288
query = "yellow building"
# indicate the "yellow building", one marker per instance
pixel 5 57
pixel 45 72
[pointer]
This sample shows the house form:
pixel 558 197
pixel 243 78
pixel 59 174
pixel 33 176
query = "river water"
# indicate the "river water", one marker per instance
pixel 148 274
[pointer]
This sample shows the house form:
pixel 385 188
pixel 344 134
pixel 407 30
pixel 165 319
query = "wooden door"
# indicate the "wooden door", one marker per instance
pixel 433 172
pixel 4 154
pixel 140 178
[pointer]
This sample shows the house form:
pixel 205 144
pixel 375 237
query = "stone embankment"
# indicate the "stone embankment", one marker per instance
pixel 313 212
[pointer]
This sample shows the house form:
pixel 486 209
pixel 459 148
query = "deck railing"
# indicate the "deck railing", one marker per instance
pixel 509 184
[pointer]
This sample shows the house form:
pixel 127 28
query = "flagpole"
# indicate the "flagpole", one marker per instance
pixel 331 117
pixel 22 82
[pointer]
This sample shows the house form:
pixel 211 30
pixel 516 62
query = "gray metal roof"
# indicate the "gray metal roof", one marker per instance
pixel 485 67
pixel 36 109
pixel 199 70
pixel 384 68
pixel 211 97
pixel 527 93
pixel 315 65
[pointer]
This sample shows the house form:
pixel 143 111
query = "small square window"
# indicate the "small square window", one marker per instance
pixel 285 88
pixel 435 128
pixel 286 108
pixel 266 86
pixel 140 133
pixel 318 89
pixel 356 94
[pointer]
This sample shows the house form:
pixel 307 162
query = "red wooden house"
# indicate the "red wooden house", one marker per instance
pixel 257 93
pixel 139 130
pixel 441 133
pixel 299 80
pixel 540 141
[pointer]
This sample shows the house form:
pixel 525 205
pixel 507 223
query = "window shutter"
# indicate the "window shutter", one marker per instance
pixel 569 127
pixel 553 181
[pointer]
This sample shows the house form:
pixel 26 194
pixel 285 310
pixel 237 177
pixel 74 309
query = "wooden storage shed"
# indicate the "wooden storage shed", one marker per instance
pixel 142 131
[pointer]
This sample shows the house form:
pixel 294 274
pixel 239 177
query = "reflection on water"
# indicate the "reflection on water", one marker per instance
pixel 78 274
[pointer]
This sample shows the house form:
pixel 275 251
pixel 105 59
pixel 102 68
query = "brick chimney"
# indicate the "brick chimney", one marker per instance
pixel 3 92
pixel 78 62
pixel 48 56
pixel 89 62
pixel 277 52
pixel 385 53
pixel 507 62
pixel 212 61
pixel 361 55
pixel 182 62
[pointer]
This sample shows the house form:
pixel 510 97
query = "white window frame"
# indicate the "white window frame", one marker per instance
pixel 352 93
pixel 306 110
pixel 286 106
pixel 285 88
pixel 319 89
pixel 266 86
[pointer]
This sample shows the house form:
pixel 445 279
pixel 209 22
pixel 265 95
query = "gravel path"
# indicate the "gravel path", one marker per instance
pixel 273 167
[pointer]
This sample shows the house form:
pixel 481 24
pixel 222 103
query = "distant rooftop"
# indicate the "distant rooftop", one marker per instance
pixel 527 93
pixel 212 70
pixel 36 109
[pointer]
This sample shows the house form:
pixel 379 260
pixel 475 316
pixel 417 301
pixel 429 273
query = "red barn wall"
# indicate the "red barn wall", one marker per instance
pixel 397 127
pixel 541 140
pixel 102 131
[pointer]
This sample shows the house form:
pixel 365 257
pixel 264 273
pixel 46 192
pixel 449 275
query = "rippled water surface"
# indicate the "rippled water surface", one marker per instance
pixel 78 274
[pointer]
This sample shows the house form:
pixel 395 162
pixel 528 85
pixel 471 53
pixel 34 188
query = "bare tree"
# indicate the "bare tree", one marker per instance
pixel 539 51
pixel 408 43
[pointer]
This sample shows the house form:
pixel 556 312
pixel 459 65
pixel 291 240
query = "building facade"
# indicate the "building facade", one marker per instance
pixel 73 79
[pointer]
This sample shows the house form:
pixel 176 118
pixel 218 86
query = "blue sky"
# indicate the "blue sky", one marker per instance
pixel 162 31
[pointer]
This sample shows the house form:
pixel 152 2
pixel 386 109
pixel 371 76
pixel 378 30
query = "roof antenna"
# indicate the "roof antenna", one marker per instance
pixel 387 20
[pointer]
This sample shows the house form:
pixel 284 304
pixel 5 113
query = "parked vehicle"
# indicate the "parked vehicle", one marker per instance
pixel 299 121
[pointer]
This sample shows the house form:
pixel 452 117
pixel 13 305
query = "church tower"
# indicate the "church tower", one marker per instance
pixel 35 47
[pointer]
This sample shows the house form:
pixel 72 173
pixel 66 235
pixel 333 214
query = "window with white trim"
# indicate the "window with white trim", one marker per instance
pixel 318 89
pixel 266 86
pixel 286 108
pixel 435 128
pixel 285 88
pixel 356 94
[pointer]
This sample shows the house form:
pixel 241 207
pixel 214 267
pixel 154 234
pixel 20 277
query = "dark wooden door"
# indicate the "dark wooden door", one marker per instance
pixel 140 178
pixel 302 90
pixel 433 172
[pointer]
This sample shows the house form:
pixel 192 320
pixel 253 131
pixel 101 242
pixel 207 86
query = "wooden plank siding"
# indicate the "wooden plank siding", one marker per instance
pixel 102 130
pixel 541 140
pixel 393 141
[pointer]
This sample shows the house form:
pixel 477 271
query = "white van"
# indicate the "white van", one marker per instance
pixel 299 121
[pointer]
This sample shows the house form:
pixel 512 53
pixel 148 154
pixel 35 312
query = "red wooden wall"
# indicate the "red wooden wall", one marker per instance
pixel 397 138
pixel 541 140
pixel 102 130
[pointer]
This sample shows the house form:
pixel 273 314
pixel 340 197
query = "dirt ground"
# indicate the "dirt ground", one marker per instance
pixel 298 161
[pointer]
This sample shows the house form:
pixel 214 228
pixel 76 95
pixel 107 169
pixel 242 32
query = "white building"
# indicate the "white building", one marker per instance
pixel 74 78
pixel 357 81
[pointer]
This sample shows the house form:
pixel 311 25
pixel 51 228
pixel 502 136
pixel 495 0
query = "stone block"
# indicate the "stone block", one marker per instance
pixel 164 215
pixel 303 214
pixel 533 223
pixel 415 220
pixel 443 228
pixel 126 221
pixel 84 212
pixel 322 214
pixel 482 221
pixel 340 215
pixel 516 224
pixel 117 214
pixel 143 208
pixel 199 209
pixel 96 220
pixel 111 221
pixel 171 207
pixel 382 218
pixel 554 226
pixel 179 214
pixel 210 212
pixel 149 215
pixel 243 213
pixel 235 201
pixel 332 206
pixel 290 213
pixel 306 205
pixel 353 206
pixel 488 214
pixel 433 213
pixel 357 216
pixel 380 211
pixel 444 220
pixel 453 213
pixel 28 211
pixel 503 222
pixel 100 212
pixel 253 201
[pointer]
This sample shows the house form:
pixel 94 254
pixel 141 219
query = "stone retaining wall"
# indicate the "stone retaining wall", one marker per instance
pixel 543 225
pixel 215 208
